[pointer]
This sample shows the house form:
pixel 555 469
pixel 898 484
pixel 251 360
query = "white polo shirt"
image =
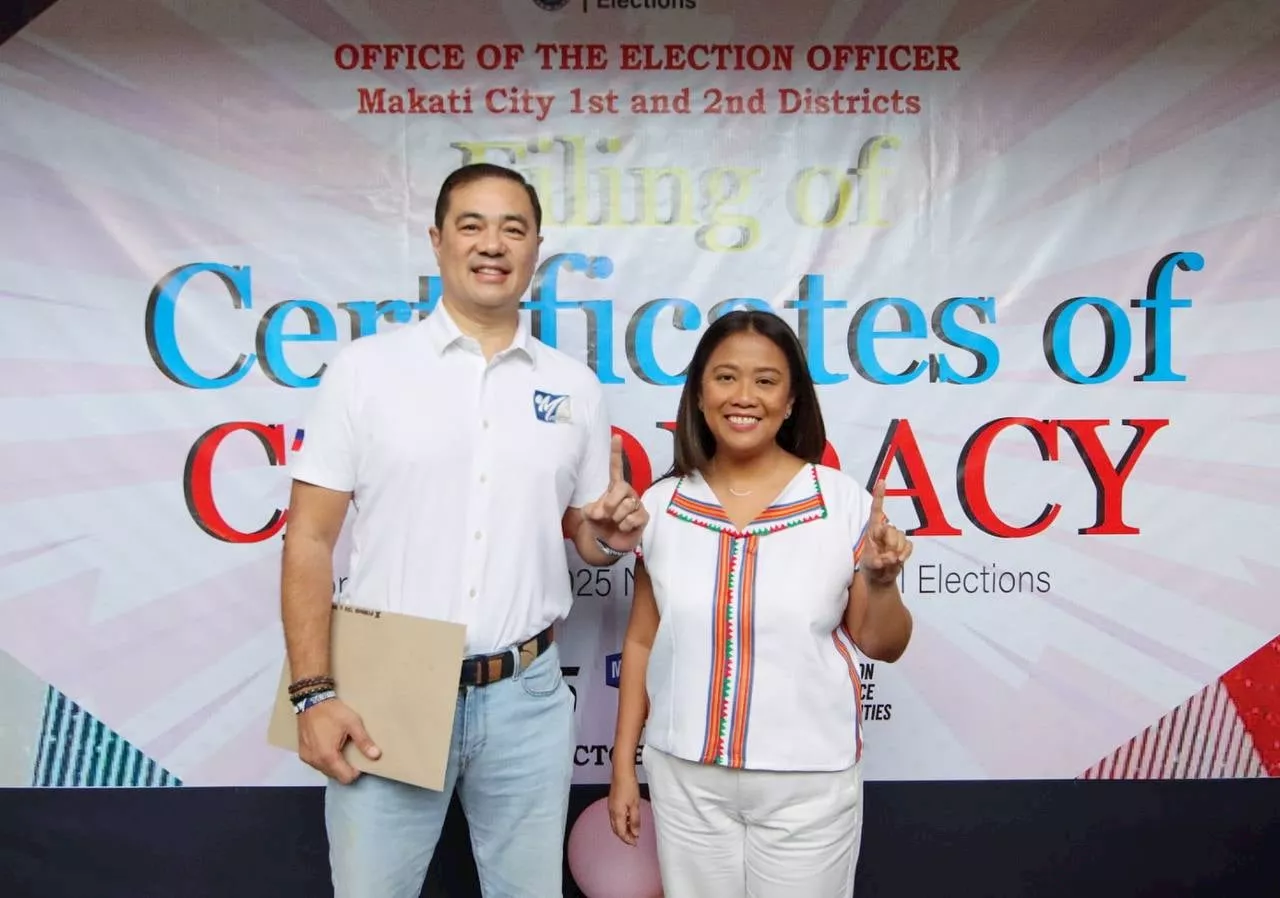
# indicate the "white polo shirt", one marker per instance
pixel 751 666
pixel 461 472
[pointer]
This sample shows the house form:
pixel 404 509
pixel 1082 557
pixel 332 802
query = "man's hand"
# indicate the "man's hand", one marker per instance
pixel 323 730
pixel 617 517
pixel 886 548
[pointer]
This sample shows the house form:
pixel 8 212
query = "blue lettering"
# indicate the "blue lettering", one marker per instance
pixel 862 335
pixel 271 339
pixel 724 307
pixel 1160 304
pixel 160 321
pixel 985 351
pixel 1057 340
pixel 810 299
pixel 639 338
pixel 544 303
pixel 364 314
pixel 430 289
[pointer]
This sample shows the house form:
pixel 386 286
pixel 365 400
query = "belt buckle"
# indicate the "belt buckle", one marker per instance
pixel 515 660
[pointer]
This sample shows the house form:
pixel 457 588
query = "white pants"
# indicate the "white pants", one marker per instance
pixel 726 833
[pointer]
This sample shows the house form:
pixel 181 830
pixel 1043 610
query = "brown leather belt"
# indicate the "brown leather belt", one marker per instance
pixel 481 670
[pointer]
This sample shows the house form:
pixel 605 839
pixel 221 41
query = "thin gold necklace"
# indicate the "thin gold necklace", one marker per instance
pixel 742 494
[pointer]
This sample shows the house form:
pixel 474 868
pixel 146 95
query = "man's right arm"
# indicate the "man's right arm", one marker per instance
pixel 314 522
pixel 306 600
pixel 324 479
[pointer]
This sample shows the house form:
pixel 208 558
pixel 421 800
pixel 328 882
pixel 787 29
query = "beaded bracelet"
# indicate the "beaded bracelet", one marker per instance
pixel 310 701
pixel 298 687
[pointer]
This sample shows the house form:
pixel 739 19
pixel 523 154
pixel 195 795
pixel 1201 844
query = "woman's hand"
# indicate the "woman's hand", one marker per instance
pixel 887 548
pixel 624 805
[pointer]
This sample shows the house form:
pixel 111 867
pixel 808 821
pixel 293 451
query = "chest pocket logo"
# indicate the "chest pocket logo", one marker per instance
pixel 552 408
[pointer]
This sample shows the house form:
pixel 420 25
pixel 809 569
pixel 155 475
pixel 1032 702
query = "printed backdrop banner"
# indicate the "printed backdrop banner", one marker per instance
pixel 1028 247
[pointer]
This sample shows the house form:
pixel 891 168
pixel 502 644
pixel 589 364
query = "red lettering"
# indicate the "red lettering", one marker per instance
pixel 197 480
pixel 1108 479
pixel 971 476
pixel 829 457
pixel 900 446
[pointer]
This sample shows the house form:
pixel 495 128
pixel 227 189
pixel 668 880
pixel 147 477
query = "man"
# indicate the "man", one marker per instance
pixel 468 449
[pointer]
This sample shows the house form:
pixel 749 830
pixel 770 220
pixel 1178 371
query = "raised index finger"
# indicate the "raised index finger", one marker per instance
pixel 616 474
pixel 877 503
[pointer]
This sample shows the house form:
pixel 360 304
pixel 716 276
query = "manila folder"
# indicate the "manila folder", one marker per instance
pixel 400 674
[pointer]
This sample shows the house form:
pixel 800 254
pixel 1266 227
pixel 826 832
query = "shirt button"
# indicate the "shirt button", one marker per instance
pixel 485 425
pixel 477 534
pixel 484 478
pixel 473 593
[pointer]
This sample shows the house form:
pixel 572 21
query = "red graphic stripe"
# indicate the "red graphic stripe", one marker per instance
pixel 1120 769
pixel 1176 734
pixel 1224 712
pixel 1163 729
pixel 1209 707
pixel 1142 766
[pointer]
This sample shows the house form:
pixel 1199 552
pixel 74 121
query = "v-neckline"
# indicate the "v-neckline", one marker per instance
pixel 779 514
pixel 773 503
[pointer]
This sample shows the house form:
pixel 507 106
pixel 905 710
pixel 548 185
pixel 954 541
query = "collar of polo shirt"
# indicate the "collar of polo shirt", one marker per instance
pixel 444 332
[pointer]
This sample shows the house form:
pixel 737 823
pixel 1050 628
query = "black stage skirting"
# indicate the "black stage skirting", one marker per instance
pixel 1080 839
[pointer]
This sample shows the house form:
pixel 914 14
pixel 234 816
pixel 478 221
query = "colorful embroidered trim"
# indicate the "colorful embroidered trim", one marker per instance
pixel 847 651
pixel 732 652
pixel 771 520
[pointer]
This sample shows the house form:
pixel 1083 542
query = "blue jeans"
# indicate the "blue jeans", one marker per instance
pixel 511 761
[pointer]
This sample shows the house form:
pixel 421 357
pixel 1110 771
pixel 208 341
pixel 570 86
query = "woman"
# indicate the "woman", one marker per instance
pixel 759 573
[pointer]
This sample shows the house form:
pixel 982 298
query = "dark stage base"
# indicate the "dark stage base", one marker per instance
pixel 938 840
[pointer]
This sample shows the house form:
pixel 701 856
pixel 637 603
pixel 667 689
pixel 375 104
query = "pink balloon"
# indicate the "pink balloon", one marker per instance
pixel 604 866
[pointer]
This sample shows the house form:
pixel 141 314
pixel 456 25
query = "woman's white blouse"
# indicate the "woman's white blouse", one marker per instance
pixel 752 666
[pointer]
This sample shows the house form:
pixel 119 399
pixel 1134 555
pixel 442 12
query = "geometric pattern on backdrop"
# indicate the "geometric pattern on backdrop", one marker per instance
pixel 1231 728
pixel 77 749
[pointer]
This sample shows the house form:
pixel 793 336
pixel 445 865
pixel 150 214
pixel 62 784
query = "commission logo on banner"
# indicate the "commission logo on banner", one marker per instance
pixel 639 5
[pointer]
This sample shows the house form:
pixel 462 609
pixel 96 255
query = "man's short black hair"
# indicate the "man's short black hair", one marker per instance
pixel 478 171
